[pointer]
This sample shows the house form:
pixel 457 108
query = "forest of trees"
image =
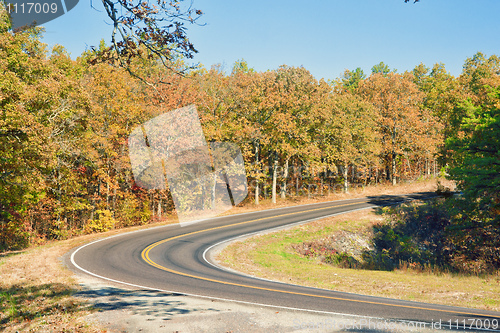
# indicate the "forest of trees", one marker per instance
pixel 64 125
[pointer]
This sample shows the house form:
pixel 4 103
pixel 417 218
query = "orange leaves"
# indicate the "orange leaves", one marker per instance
pixel 403 122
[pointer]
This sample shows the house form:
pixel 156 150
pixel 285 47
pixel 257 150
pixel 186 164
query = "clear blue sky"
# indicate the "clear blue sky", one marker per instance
pixel 324 36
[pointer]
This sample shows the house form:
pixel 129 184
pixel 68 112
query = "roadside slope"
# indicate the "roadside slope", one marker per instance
pixel 272 256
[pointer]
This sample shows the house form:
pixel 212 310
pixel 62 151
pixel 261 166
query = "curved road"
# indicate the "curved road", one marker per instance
pixel 177 259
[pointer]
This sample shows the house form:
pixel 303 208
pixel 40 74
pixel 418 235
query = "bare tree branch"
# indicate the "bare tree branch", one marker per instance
pixel 153 29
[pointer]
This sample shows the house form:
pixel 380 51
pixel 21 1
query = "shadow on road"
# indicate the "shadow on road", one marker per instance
pixel 157 305
pixel 386 200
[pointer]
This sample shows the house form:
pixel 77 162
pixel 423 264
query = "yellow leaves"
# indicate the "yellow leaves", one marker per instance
pixel 104 222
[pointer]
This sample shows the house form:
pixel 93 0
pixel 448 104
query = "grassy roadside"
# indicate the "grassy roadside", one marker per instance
pixel 36 289
pixel 272 256
pixel 35 292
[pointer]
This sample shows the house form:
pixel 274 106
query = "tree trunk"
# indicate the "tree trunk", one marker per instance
pixel 256 179
pixel 285 176
pixel 159 205
pixel 409 166
pixel 275 177
pixel 368 176
pixel 59 190
pixel 297 185
pixel 114 199
pixel 393 173
pixel 345 175
pixel 213 191
pixel 152 196
pixel 107 192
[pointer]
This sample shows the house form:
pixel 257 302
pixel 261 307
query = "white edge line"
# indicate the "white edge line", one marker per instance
pixel 225 299
pixel 202 296
pixel 73 262
pixel 265 232
pixel 283 227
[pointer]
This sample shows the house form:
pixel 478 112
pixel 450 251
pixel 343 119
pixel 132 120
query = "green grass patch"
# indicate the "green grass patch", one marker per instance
pixel 21 303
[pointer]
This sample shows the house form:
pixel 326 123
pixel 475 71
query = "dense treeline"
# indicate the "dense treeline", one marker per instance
pixel 64 166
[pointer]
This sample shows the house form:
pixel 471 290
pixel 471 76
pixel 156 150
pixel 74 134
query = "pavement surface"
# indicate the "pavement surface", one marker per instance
pixel 176 287
pixel 130 310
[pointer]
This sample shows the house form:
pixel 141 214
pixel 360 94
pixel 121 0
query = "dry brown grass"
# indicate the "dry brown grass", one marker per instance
pixel 36 289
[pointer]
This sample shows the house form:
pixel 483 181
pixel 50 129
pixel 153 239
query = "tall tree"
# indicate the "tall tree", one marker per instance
pixel 475 166
pixel 241 66
pixel 381 68
pixel 405 126
pixel 289 124
pixel 347 133
pixel 351 79
pixel 256 100
pixel 42 108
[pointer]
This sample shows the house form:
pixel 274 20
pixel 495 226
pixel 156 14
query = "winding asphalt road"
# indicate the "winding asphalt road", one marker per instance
pixel 177 259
